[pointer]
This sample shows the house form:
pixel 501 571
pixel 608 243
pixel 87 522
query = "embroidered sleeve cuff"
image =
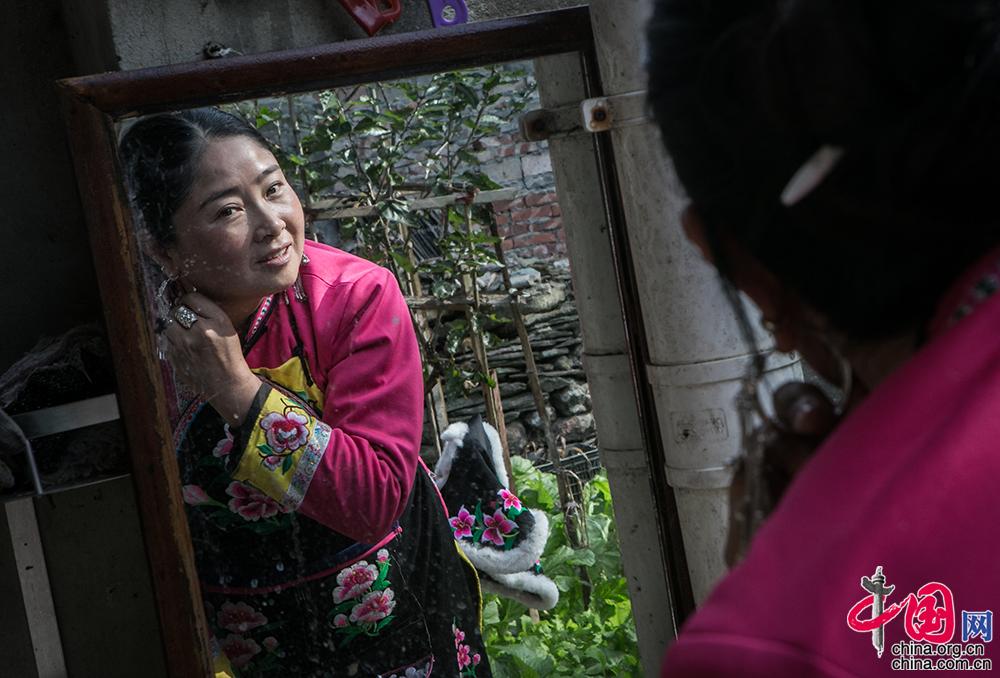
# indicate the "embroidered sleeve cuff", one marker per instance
pixel 283 444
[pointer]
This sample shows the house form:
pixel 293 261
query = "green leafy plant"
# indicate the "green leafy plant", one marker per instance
pixel 572 639
pixel 375 146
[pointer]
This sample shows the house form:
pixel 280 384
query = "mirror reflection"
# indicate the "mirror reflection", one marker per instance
pixel 384 432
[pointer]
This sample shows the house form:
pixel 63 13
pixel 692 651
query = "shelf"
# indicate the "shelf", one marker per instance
pixel 60 419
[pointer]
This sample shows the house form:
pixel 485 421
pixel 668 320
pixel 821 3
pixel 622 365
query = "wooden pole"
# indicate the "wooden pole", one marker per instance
pixel 491 394
pixel 534 382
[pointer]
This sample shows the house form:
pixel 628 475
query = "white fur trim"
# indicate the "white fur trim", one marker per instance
pixel 452 439
pixel 497 454
pixel 522 557
pixel 531 590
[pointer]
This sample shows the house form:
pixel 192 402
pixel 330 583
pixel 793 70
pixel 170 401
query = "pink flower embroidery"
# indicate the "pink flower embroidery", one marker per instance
pixel 340 621
pixel 285 431
pixel 497 527
pixel 240 650
pixel 240 617
pixel 354 580
pixel 374 607
pixel 462 523
pixel 224 446
pixel 270 643
pixel 382 555
pixel 195 496
pixel 463 651
pixel 463 656
pixel 509 500
pixel 249 503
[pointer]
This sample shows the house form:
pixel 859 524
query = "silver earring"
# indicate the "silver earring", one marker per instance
pixel 163 292
pixel 846 375
pixel 300 292
pixel 756 503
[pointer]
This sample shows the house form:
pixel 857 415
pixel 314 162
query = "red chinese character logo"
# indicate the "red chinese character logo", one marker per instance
pixel 925 619
pixel 930 612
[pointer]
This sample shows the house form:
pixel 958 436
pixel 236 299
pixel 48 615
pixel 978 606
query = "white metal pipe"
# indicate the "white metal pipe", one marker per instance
pixel 578 181
pixel 697 355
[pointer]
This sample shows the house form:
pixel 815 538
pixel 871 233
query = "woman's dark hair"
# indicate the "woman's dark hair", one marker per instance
pixel 160 155
pixel 745 91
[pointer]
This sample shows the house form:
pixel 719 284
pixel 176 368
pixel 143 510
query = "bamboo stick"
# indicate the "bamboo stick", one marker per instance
pixel 534 382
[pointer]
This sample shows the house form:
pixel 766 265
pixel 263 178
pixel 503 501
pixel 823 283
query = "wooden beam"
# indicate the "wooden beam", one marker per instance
pixel 325 209
pixel 142 397
pixel 387 57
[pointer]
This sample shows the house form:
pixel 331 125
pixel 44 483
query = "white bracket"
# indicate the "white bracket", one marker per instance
pixel 600 114
pixel 622 110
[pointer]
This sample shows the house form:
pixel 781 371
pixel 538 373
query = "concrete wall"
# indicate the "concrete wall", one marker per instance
pixel 156 32
pixel 484 10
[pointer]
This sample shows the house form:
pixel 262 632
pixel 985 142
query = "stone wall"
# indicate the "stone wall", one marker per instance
pixel 531 224
pixel 549 307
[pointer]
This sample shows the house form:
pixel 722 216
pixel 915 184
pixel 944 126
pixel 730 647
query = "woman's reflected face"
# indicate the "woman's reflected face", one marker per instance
pixel 239 232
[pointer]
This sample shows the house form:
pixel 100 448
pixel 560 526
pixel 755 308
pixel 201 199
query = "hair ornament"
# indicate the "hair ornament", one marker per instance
pixel 811 174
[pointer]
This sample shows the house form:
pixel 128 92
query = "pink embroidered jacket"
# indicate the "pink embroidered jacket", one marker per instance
pixel 355 362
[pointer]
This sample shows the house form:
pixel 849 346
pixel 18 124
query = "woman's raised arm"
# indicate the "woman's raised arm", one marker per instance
pixel 351 469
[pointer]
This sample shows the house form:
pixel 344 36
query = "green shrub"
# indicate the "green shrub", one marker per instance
pixel 571 639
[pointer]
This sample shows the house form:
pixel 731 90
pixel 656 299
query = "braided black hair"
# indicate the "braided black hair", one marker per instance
pixel 745 91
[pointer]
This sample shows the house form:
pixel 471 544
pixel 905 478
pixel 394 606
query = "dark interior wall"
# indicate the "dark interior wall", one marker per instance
pixel 46 273
pixel 92 543
pixel 100 582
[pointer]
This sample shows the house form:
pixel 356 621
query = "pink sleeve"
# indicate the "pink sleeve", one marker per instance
pixel 374 408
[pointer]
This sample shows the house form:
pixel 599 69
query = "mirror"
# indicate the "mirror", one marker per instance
pixel 422 207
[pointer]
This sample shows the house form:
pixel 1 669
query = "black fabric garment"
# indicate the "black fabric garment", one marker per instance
pixel 270 580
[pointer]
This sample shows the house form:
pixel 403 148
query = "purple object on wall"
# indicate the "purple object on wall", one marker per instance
pixel 448 12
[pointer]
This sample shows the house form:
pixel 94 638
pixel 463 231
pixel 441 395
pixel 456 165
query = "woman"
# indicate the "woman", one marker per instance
pixel 840 158
pixel 321 541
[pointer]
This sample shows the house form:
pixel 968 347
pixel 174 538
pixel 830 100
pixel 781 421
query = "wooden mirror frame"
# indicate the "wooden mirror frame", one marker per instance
pixel 93 104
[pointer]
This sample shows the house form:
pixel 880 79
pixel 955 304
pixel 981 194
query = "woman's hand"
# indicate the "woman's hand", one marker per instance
pixel 208 358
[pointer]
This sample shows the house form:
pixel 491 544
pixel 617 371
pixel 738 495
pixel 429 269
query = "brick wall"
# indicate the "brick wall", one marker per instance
pixel 532 224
